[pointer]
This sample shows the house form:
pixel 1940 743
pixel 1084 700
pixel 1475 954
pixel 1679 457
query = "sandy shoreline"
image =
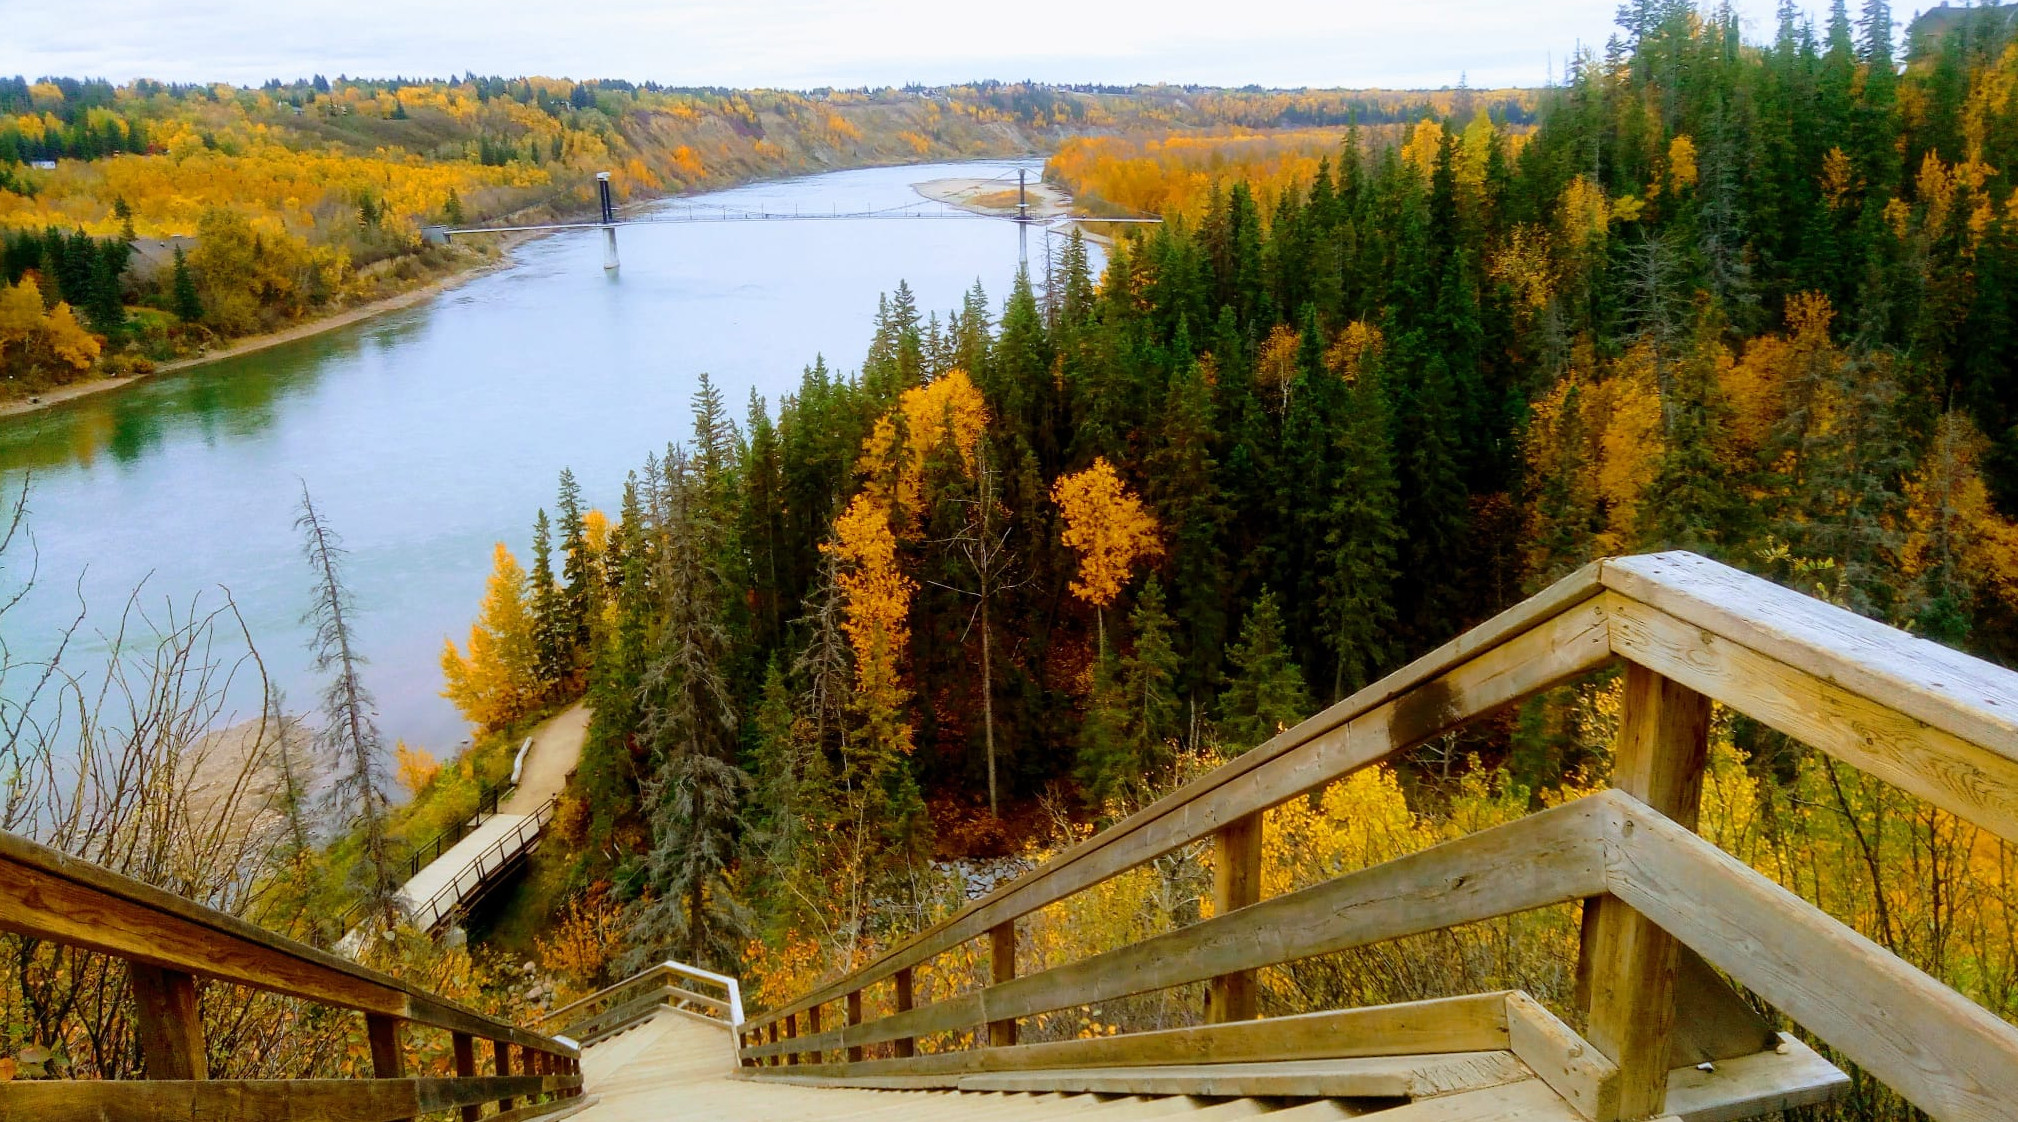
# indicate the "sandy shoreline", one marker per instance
pixel 254 343
pixel 996 197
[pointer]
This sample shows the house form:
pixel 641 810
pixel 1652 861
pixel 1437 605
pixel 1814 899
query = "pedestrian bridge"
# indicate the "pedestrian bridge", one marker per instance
pixel 1704 991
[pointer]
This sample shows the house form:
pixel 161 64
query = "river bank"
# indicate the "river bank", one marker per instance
pixel 996 197
pixel 251 344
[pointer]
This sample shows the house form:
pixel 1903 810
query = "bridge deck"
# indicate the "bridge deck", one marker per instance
pixel 443 884
pixel 677 1064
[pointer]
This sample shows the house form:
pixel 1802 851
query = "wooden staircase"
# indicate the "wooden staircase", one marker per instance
pixel 1671 926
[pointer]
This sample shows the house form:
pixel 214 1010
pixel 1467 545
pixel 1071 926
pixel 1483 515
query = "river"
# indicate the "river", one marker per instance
pixel 429 433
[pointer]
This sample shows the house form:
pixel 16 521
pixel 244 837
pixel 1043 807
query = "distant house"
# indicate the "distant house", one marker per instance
pixel 1928 28
pixel 45 165
pixel 154 258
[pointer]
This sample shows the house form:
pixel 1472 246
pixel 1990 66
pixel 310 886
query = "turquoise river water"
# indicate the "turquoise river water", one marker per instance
pixel 429 433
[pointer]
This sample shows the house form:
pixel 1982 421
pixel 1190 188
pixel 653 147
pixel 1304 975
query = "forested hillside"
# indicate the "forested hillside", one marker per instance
pixel 1754 300
pixel 308 196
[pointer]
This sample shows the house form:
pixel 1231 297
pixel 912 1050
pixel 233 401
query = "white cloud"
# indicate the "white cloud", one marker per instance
pixel 803 43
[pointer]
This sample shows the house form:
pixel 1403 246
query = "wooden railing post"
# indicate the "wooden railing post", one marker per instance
pixel 1236 883
pixel 905 1045
pixel 465 1068
pixel 813 1029
pixel 855 1018
pixel 388 1057
pixel 1627 965
pixel 1002 968
pixel 774 1060
pixel 792 1033
pixel 501 1053
pixel 171 1023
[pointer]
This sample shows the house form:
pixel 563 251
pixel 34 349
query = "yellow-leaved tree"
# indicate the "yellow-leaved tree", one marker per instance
pixel 877 621
pixel 498 681
pixel 1110 529
pixel 38 348
pixel 417 767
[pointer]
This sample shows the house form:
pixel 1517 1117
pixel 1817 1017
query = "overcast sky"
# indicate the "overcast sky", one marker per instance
pixel 809 43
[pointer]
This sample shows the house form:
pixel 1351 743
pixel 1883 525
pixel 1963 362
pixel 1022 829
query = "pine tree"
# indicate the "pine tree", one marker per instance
pixel 1265 692
pixel 1362 539
pixel 188 306
pixel 555 663
pixel 580 594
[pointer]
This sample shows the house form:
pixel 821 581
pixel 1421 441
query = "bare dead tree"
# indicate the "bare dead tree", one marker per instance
pixel 349 736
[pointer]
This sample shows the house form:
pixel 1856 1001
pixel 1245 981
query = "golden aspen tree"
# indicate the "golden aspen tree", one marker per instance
pixel 1110 529
pixel 877 599
pixel 498 681
pixel 415 767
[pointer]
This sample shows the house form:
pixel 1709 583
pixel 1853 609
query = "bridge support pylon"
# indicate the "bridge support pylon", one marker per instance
pixel 609 220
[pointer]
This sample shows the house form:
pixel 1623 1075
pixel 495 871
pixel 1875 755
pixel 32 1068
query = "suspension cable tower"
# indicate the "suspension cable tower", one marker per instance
pixel 607 220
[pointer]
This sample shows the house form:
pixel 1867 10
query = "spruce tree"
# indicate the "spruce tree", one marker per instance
pixel 580 595
pixel 1264 692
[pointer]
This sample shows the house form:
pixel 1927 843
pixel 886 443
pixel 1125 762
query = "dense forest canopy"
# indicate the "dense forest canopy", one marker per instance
pixel 1750 300
pixel 294 199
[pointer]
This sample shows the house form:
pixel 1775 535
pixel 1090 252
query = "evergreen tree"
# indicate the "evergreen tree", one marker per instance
pixel 549 623
pixel 579 596
pixel 1264 692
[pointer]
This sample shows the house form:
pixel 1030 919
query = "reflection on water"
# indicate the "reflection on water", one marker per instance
pixel 431 432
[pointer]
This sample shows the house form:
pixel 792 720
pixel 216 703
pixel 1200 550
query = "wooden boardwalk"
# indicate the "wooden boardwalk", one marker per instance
pixel 677 1064
pixel 1689 964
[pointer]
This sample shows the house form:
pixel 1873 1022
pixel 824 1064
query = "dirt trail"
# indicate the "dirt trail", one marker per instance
pixel 557 747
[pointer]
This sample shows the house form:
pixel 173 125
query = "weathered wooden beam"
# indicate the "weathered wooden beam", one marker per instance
pixel 1976 780
pixel 1002 968
pixel 1457 1024
pixel 1236 883
pixel 388 1047
pixel 854 1021
pixel 813 1029
pixel 1663 744
pixel 501 1053
pixel 1548 639
pixel 1553 1051
pixel 47 894
pixel 905 1045
pixel 1552 857
pixel 257 1100
pixel 170 1022
pixel 1940 1051
pixel 1942 688
pixel 464 1046
pixel 792 1033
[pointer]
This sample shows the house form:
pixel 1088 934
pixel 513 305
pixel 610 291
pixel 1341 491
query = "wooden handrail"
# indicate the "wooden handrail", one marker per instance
pixel 1930 720
pixel 1423 699
pixel 731 1004
pixel 170 941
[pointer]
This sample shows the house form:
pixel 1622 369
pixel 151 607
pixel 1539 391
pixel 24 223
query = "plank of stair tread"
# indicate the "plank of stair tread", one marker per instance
pixel 1755 1085
pixel 1969 779
pixel 1942 1052
pixel 1374 1077
pixel 1529 1100
pixel 1970 698
pixel 1546 858
pixel 1228 1109
pixel 1318 1110
pixel 1153 1106
pixel 1537 643
pixel 1581 1074
pixel 1470 1023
